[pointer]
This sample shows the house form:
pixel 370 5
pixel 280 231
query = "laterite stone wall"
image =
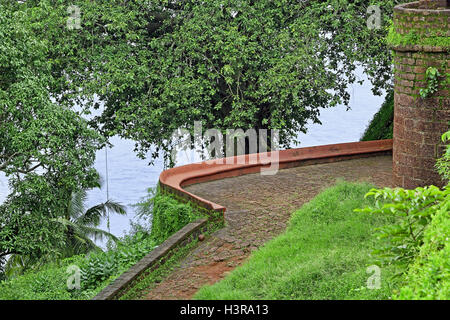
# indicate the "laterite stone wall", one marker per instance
pixel 419 123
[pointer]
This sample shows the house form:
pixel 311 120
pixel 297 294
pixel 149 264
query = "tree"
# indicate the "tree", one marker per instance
pixel 81 224
pixel 80 227
pixel 161 65
pixel 46 149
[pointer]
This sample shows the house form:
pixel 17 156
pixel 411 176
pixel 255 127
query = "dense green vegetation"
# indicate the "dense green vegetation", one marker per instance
pixel 80 226
pixel 429 275
pixel 166 214
pixel 46 150
pixel 417 243
pixel 99 268
pixel 382 125
pixel 324 254
pixel 160 65
pixel 443 163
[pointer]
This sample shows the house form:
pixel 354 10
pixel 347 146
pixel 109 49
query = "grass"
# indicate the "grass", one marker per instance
pixel 324 254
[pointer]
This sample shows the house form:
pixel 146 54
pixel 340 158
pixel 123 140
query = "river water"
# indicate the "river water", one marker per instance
pixel 130 177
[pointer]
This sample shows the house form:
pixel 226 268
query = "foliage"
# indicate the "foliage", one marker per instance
pixel 97 270
pixel 413 210
pixel 82 223
pixel 50 283
pixel 429 275
pixel 412 38
pixel 443 164
pixel 103 266
pixel 324 254
pixel 432 77
pixel 161 65
pixel 382 125
pixel 167 214
pixel 100 268
pixel 46 150
pixel 80 229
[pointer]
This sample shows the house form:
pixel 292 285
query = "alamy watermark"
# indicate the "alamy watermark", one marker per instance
pixel 237 147
pixel 74 20
pixel 374 281
pixel 74 279
pixel 374 19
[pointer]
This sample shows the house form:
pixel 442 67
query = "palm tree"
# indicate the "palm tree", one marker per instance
pixel 2 268
pixel 81 232
pixel 82 225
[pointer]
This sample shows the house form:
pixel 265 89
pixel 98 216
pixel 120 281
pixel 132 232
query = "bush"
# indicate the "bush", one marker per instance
pixel 413 210
pixel 382 125
pixel 429 275
pixel 49 283
pixel 443 164
pixel 167 215
pixel 102 266
pixel 419 241
pixel 97 270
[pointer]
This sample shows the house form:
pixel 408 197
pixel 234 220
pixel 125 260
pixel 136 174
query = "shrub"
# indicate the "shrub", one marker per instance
pixel 382 125
pixel 443 164
pixel 49 283
pixel 97 270
pixel 418 241
pixel 413 210
pixel 429 275
pixel 102 266
pixel 166 213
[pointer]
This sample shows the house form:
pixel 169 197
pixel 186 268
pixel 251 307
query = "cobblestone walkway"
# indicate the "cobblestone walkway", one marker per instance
pixel 258 208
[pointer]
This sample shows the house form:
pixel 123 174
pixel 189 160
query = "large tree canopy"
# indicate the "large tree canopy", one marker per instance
pixel 46 150
pixel 160 65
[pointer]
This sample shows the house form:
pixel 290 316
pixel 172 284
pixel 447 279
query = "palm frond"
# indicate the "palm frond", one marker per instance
pixel 94 215
pixel 96 233
pixel 76 205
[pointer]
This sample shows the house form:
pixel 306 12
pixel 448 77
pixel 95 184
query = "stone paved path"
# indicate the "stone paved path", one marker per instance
pixel 258 208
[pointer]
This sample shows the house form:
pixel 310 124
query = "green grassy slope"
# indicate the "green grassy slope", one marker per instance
pixel 324 254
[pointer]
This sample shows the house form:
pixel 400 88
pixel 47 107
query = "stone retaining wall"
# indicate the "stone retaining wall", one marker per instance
pixel 153 260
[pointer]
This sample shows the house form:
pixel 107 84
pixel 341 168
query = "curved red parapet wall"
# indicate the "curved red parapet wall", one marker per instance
pixel 175 179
